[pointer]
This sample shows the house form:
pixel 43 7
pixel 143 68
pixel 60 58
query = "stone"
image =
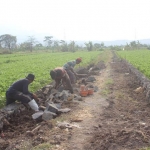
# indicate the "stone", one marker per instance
pixel 49 86
pixel 53 91
pixel 60 89
pixel 70 97
pixel 64 95
pixel 64 110
pixel 52 108
pixel 139 90
pixel 47 115
pixel 90 79
pixel 37 114
pixel 58 105
pixel 12 107
pixel 79 98
pixel 46 91
pixel 95 89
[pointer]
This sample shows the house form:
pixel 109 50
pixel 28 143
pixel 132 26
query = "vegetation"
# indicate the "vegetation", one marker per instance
pixel 18 65
pixel 139 59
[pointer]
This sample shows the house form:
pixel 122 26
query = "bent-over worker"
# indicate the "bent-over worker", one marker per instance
pixel 59 74
pixel 69 67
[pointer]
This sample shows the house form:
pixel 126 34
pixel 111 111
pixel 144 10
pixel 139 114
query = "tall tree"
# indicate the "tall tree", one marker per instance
pixel 97 46
pixel 31 41
pixel 72 46
pixel 89 46
pixel 56 45
pixel 8 41
pixel 64 46
pixel 48 41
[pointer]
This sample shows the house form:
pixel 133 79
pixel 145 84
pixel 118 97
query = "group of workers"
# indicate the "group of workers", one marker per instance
pixel 62 75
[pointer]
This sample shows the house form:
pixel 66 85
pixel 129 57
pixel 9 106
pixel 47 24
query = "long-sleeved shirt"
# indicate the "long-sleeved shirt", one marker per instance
pixel 21 86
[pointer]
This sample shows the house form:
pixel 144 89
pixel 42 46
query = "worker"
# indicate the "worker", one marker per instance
pixel 60 75
pixel 19 91
pixel 69 67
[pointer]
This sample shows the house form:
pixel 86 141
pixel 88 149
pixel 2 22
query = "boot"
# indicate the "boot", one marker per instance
pixel 33 105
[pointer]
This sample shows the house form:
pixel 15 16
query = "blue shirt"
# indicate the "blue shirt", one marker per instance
pixel 70 64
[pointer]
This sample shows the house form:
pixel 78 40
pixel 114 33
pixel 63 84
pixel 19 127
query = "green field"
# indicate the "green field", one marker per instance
pixel 140 59
pixel 17 66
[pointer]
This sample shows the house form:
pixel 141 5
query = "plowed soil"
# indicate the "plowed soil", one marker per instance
pixel 113 118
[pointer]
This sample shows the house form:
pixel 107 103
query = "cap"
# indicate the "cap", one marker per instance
pixel 79 59
pixel 30 77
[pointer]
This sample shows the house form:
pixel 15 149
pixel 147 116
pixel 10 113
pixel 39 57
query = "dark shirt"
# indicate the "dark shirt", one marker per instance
pixel 21 86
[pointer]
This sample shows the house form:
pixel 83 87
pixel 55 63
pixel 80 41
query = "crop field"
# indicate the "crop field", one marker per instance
pixel 140 59
pixel 17 66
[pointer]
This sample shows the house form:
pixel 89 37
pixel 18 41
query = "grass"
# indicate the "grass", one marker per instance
pixel 43 146
pixel 146 148
pixel 107 84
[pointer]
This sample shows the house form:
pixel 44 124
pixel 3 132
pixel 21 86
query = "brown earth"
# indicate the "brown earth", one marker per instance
pixel 114 118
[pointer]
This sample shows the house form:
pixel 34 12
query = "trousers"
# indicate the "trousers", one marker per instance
pixel 13 95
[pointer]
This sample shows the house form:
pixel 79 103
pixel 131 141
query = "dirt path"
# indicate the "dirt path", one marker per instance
pixel 87 111
pixel 113 118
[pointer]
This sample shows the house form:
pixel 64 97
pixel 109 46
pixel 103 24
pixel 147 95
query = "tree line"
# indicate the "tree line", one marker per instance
pixel 9 42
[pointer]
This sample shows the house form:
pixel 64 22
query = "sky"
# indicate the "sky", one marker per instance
pixel 90 20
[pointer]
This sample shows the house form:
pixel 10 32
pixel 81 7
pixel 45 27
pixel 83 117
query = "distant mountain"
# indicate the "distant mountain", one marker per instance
pixel 116 42
pixel 40 38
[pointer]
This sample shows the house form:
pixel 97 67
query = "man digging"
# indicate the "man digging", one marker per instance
pixel 60 75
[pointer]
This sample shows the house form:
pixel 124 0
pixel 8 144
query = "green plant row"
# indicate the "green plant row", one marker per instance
pixel 140 59
pixel 17 66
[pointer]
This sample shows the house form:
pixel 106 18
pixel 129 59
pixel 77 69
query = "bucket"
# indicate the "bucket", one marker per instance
pixel 83 93
pixel 90 91
pixel 82 87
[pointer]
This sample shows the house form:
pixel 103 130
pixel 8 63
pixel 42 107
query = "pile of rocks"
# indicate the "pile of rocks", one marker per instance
pixel 51 99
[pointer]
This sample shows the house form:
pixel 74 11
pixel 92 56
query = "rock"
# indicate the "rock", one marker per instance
pixel 90 79
pixel 139 90
pixel 42 108
pixel 58 105
pixel 95 89
pixel 30 133
pixel 64 95
pixel 64 110
pixel 60 89
pixel 70 97
pixel 1 124
pixel 52 108
pixel 47 115
pixel 57 95
pixel 46 91
pixel 79 98
pixel 148 96
pixel 126 74
pixel 12 107
pixel 64 125
pixel 53 91
pixel 37 114
pixel 49 86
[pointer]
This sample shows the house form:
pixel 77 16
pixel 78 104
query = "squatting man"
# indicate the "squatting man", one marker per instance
pixel 19 91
